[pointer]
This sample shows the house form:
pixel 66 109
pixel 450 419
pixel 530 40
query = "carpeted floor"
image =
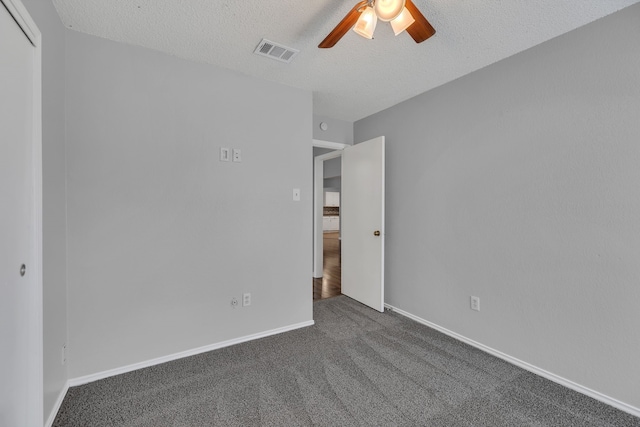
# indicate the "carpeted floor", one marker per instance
pixel 355 367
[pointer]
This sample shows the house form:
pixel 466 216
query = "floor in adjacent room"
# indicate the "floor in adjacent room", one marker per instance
pixel 354 367
pixel 329 284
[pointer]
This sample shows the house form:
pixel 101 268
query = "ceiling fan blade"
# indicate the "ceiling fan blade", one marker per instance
pixel 421 29
pixel 345 25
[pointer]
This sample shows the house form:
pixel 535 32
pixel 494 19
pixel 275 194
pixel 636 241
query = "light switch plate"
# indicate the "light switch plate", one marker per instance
pixel 224 154
pixel 296 194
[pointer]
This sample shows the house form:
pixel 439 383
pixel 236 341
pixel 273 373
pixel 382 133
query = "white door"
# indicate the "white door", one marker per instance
pixel 20 204
pixel 362 220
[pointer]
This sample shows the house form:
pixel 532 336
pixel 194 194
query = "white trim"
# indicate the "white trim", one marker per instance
pixel 38 352
pixel 23 19
pixel 383 228
pixel 524 365
pixel 328 156
pixel 57 405
pixel 140 365
pixel 329 144
pixel 318 186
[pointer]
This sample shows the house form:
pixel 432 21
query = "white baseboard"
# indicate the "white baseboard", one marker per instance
pixel 57 405
pixel 524 365
pixel 117 371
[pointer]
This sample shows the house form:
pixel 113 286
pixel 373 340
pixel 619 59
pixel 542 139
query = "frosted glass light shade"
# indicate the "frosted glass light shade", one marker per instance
pixel 402 21
pixel 366 24
pixel 386 10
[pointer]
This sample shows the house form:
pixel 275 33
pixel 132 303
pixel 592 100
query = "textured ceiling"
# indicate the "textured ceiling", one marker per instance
pixel 357 77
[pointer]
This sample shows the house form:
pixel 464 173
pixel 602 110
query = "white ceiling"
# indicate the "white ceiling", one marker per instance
pixel 357 77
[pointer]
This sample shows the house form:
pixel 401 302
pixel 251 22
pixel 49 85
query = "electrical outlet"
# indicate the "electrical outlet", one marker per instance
pixel 246 299
pixel 475 303
pixel 237 155
pixel 234 302
pixel 64 354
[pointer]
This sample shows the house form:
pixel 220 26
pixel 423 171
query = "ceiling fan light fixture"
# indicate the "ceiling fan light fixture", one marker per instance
pixel 388 10
pixel 363 16
pixel 366 24
pixel 402 21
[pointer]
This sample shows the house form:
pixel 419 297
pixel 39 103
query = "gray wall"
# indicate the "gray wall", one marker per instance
pixel 520 184
pixel 161 234
pixel 53 191
pixel 338 131
pixel 317 151
pixel 333 184
pixel 333 168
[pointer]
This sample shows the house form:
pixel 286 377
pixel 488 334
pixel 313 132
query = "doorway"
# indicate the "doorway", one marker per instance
pixel 361 220
pixel 327 272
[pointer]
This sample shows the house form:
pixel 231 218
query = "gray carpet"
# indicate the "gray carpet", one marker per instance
pixel 355 367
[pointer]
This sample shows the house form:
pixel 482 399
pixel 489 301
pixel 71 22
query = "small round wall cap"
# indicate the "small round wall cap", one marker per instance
pixel 324 126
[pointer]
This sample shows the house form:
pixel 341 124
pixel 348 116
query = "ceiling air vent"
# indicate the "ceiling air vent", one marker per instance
pixel 275 51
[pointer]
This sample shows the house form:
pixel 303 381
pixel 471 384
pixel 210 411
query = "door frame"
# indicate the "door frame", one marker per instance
pixel 318 193
pixel 35 357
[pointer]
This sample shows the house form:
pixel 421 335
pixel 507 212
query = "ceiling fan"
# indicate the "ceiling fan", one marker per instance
pixel 402 14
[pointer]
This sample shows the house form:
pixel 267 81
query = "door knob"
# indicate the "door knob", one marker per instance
pixel 376 233
pixel 23 269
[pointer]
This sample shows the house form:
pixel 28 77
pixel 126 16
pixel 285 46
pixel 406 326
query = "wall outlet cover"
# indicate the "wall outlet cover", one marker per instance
pixel 475 303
